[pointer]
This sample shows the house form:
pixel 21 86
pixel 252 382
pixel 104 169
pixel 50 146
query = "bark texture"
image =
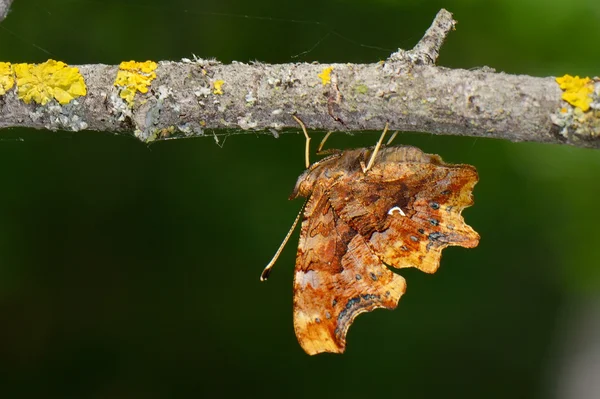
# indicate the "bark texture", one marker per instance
pixel 408 91
pixel 4 7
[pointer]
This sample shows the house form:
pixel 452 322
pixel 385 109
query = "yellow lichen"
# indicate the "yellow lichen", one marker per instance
pixel 7 80
pixel 49 80
pixel 577 91
pixel 166 132
pixel 133 77
pixel 325 75
pixel 218 86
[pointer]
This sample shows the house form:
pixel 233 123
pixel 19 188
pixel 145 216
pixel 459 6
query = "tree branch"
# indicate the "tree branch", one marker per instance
pixel 4 7
pixel 407 90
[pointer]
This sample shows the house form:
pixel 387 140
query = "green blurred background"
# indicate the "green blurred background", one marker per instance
pixel 132 271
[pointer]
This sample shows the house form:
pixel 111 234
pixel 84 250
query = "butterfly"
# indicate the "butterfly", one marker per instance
pixel 369 210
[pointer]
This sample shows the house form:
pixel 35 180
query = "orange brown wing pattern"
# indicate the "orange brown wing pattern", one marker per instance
pixel 409 211
pixel 337 277
pixel 402 212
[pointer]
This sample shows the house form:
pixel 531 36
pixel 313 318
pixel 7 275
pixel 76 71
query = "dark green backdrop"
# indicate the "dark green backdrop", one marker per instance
pixel 131 271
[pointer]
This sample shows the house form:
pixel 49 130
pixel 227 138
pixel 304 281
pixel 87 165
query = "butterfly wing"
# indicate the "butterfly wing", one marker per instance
pixel 337 277
pixel 409 211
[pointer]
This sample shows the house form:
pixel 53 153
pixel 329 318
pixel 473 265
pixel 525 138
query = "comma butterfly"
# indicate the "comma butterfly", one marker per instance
pixel 399 211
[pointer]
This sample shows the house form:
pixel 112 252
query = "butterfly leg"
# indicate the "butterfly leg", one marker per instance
pixel 392 138
pixel 375 151
pixel 307 149
pixel 323 141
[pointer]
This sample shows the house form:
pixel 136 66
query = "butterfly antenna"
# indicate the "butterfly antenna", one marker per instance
pixel 265 274
pixel 307 150
pixel 376 150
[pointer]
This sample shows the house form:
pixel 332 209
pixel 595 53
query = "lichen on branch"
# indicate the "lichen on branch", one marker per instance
pixel 155 100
